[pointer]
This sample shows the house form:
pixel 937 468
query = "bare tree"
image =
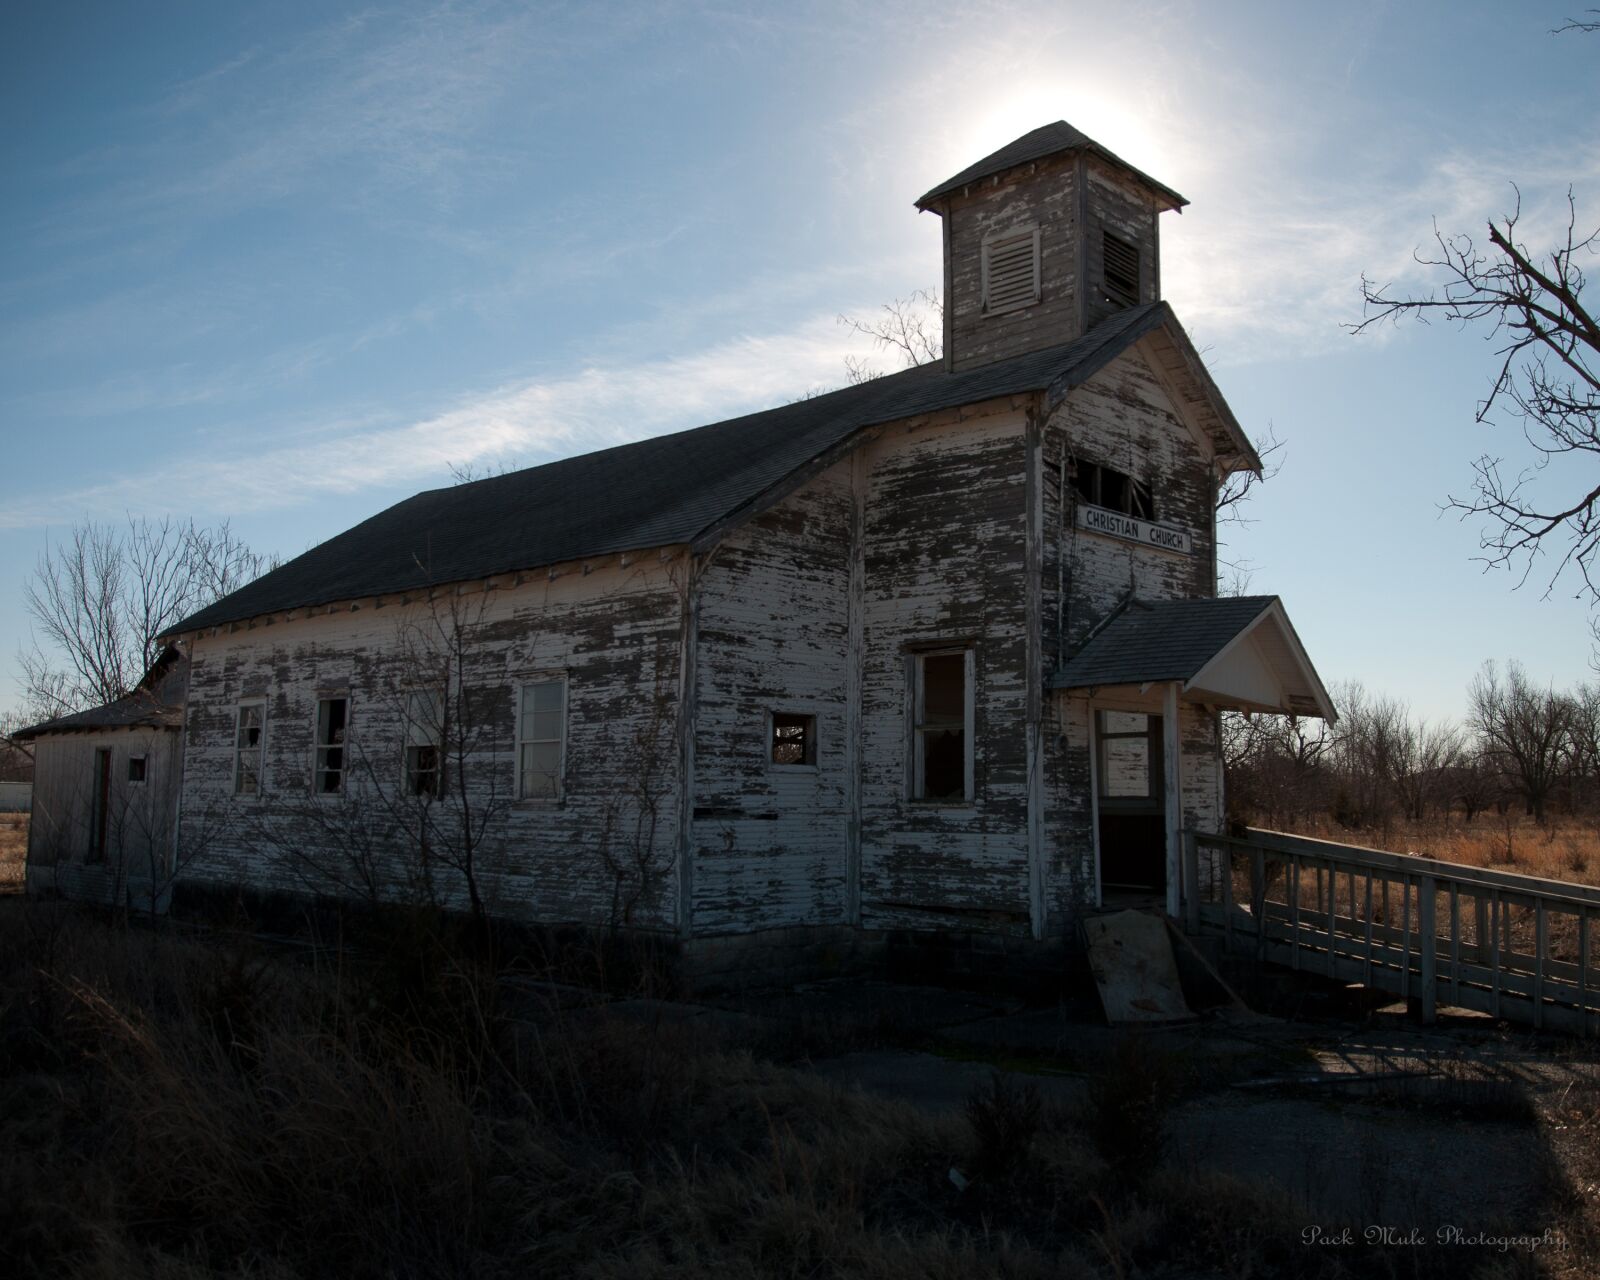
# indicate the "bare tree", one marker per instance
pixel 100 600
pixel 911 329
pixel 1523 728
pixel 1547 375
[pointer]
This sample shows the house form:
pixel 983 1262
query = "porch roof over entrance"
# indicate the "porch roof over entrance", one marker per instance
pixel 1239 652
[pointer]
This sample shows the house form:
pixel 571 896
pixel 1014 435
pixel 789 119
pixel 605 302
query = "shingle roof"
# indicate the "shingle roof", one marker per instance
pixel 156 704
pixel 659 492
pixel 1047 140
pixel 1159 640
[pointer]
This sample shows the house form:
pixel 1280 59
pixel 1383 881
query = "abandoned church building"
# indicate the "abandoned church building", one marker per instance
pixel 940 652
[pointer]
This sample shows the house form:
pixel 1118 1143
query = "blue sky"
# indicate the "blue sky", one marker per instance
pixel 283 264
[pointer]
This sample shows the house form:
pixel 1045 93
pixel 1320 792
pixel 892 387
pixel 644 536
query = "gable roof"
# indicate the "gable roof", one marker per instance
pixel 156 703
pixel 1047 140
pixel 660 492
pixel 1202 643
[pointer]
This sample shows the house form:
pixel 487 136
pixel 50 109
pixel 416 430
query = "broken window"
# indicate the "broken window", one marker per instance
pixel 1121 271
pixel 247 748
pixel 333 717
pixel 424 743
pixel 135 768
pixel 1112 489
pixel 794 738
pixel 942 726
pixel 541 729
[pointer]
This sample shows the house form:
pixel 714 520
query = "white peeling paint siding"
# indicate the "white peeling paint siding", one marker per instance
pixel 944 568
pixel 139 815
pixel 771 841
pixel 612 633
pixel 1121 418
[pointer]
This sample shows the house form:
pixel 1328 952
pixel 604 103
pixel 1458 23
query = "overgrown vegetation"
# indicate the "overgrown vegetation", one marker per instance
pixel 202 1106
pixel 1381 773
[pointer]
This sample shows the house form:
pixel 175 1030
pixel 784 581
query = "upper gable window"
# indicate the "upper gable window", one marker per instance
pixel 1120 262
pixel 1011 270
pixel 1112 489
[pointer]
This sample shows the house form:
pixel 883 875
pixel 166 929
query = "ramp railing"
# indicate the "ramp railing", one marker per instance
pixel 1513 946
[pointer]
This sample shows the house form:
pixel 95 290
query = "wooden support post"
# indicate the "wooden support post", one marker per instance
pixel 1258 896
pixel 1171 749
pixel 1191 883
pixel 1455 942
pixel 1541 944
pixel 1366 970
pixel 1426 894
pixel 1294 910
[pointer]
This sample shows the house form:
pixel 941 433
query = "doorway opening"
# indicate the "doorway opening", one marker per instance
pixel 1130 807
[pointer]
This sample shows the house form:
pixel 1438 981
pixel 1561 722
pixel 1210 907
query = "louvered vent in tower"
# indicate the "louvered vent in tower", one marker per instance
pixel 1011 270
pixel 1121 271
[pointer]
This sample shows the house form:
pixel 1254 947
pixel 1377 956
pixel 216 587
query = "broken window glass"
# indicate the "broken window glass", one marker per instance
pixel 247 749
pixel 942 727
pixel 333 716
pixel 794 738
pixel 424 739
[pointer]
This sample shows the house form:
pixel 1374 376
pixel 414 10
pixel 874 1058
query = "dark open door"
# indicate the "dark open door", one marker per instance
pixel 1130 808
pixel 102 805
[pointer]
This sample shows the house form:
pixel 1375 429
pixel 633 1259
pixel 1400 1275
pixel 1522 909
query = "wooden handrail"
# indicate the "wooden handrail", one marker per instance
pixel 1408 863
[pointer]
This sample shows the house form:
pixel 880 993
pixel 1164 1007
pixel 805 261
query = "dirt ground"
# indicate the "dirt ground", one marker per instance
pixel 1369 1122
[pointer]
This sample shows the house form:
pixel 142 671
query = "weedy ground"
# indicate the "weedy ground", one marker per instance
pixel 188 1106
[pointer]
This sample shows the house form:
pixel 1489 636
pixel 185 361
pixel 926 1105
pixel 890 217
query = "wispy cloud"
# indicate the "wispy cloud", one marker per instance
pixel 529 422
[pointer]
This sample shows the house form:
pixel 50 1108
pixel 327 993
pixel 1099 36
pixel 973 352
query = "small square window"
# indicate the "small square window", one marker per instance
pixel 794 739
pixel 135 768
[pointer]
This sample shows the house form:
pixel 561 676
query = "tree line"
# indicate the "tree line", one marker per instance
pixel 1522 748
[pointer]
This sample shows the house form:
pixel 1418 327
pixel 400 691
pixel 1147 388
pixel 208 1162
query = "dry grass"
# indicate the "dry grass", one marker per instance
pixel 13 851
pixel 1566 849
pixel 183 1108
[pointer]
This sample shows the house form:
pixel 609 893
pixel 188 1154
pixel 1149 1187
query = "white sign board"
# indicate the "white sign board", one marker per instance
pixel 1116 525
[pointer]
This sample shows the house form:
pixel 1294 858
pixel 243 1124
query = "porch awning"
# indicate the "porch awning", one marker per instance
pixel 1239 652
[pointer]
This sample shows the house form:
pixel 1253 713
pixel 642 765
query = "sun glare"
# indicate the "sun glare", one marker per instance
pixel 1105 117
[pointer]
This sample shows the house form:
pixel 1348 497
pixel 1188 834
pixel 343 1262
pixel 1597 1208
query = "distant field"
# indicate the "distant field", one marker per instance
pixel 13 851
pixel 1565 850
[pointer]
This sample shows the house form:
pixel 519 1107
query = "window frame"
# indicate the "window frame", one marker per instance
pixel 985 249
pixel 143 761
pixel 918 727
pixel 419 734
pixel 342 746
pixel 260 749
pixel 1095 472
pixel 554 677
pixel 812 740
